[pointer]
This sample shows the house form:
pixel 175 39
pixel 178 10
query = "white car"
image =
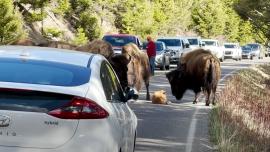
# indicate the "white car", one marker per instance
pixel 232 51
pixel 55 100
pixel 214 47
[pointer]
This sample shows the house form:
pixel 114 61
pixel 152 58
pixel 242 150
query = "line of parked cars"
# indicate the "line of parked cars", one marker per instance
pixel 169 49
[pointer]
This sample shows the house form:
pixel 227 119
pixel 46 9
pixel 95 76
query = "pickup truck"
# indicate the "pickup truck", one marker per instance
pixel 214 47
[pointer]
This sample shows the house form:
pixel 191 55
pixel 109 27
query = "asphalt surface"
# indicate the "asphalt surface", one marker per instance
pixel 179 126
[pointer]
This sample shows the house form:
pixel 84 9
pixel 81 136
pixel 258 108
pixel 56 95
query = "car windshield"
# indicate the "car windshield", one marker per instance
pixel 171 42
pixel 119 40
pixel 193 41
pixel 42 72
pixel 230 46
pixel 160 47
pixel 210 43
pixel 253 46
pixel 246 48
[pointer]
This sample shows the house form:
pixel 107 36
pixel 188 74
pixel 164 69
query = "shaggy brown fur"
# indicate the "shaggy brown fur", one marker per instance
pixel 198 69
pixel 24 42
pixel 159 97
pixel 59 45
pixel 98 47
pixel 138 68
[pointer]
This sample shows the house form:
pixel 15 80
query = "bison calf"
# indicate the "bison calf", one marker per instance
pixel 198 70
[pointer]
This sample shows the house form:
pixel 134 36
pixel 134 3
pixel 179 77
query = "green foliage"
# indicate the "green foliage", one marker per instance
pixel 89 22
pixel 257 12
pixel 11 24
pixel 209 18
pixel 36 9
pixel 63 7
pixel 52 32
pixel 80 38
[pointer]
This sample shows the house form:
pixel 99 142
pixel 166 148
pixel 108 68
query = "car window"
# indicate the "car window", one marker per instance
pixel 230 46
pixel 171 42
pixel 193 41
pixel 210 43
pixel 110 83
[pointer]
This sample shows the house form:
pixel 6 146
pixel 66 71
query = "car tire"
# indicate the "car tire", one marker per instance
pixel 162 67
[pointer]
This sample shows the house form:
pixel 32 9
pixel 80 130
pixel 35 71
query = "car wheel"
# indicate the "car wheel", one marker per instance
pixel 162 67
pixel 251 57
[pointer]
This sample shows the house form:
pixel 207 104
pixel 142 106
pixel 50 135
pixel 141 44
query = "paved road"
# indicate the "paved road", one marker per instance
pixel 179 126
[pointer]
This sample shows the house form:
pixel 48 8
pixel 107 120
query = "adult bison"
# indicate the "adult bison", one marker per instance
pixel 198 70
pixel 138 68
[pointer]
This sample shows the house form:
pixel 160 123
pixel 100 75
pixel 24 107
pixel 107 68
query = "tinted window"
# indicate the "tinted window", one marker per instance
pixel 228 46
pixel 159 47
pixel 119 40
pixel 193 41
pixel 31 101
pixel 42 72
pixel 171 42
pixel 253 46
pixel 210 43
pixel 110 83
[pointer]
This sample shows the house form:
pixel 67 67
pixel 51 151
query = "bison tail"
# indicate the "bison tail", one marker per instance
pixel 210 76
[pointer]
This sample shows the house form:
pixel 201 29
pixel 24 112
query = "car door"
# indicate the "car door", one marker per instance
pixel 115 96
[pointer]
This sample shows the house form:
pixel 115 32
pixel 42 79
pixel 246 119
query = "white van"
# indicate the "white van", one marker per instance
pixel 176 45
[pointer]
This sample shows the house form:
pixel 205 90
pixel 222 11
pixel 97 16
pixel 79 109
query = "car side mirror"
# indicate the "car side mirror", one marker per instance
pixel 203 44
pixel 131 93
pixel 187 45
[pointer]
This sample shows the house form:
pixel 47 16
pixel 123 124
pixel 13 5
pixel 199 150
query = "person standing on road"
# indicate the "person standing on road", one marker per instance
pixel 151 52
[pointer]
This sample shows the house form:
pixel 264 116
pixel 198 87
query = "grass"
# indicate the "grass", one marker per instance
pixel 241 120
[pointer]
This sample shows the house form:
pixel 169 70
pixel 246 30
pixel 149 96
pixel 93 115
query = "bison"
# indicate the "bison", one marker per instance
pixel 138 68
pixel 198 70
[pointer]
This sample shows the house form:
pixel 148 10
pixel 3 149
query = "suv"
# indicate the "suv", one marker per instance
pixel 257 50
pixel 195 42
pixel 119 40
pixel 177 46
pixel 214 47
pixel 232 51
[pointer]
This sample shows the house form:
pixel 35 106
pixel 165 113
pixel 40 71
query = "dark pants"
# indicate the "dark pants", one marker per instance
pixel 152 64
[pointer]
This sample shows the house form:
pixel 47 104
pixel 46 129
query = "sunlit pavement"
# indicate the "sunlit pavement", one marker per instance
pixel 180 125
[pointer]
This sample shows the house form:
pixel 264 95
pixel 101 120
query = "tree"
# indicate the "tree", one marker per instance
pixel 11 24
pixel 209 18
pixel 257 12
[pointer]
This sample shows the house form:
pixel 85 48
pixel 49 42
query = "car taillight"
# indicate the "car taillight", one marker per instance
pixel 80 108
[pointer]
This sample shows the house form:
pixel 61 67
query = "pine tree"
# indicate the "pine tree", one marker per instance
pixel 11 24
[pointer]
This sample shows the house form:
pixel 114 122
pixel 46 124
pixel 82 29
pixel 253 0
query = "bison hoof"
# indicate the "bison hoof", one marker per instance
pixel 207 104
pixel 194 102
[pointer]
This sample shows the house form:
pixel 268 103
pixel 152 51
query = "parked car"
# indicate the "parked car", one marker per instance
pixel 268 52
pixel 162 55
pixel 247 52
pixel 55 100
pixel 177 46
pixel 195 42
pixel 232 51
pixel 257 50
pixel 119 40
pixel 214 47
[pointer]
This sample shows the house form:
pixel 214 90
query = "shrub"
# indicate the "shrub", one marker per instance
pixel 80 38
pixel 11 28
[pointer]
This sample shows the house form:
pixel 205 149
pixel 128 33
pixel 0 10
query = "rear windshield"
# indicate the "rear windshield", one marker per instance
pixel 193 41
pixel 119 40
pixel 171 42
pixel 229 46
pixel 31 101
pixel 42 72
